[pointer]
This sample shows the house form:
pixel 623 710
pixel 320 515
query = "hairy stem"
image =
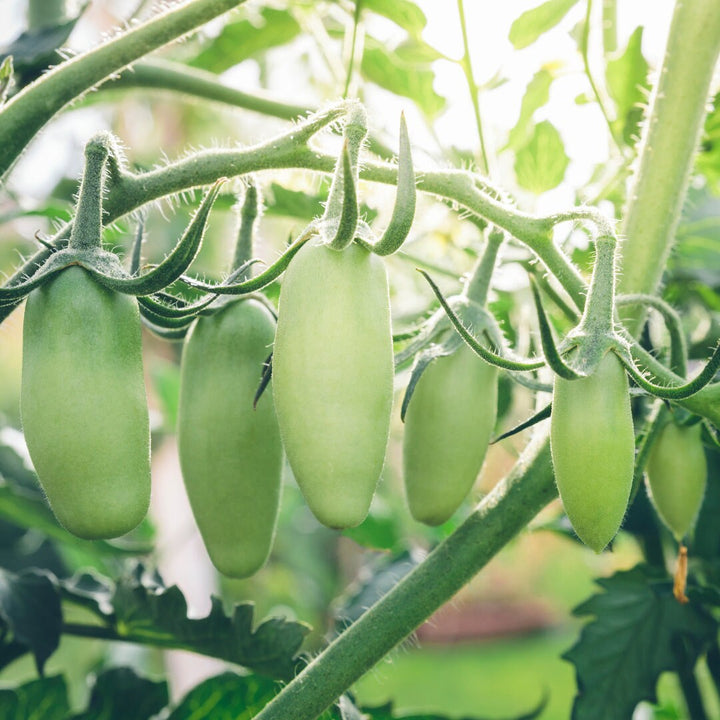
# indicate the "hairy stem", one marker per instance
pixel 670 139
pixel 23 117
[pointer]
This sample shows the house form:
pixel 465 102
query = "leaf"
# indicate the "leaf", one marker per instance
pixel 226 697
pixel 120 694
pixel 380 530
pixel 536 95
pixel 708 160
pixel 41 699
pixel 387 712
pixel 411 80
pixel 404 13
pixel 30 609
pixel 629 643
pixel 245 38
pixel 540 165
pixel 526 29
pixel 140 608
pixel 628 86
pixel 6 76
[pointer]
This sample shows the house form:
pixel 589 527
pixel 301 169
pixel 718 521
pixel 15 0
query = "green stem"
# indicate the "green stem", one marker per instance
pixel 501 515
pixel 472 87
pixel 478 284
pixel 351 61
pixel 246 226
pixel 667 151
pixel 23 117
pixel 597 317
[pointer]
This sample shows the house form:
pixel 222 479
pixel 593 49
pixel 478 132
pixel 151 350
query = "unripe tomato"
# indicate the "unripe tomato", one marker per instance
pixel 447 429
pixel 676 476
pixel 333 376
pixel 83 404
pixel 593 450
pixel 230 453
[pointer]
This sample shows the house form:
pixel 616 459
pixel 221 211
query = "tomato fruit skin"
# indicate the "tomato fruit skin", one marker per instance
pixel 83 404
pixel 333 378
pixel 593 450
pixel 448 424
pixel 676 476
pixel 230 452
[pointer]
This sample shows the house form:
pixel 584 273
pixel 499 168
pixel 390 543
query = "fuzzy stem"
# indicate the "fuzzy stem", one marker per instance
pixel 501 515
pixel 478 284
pixel 597 317
pixel 23 117
pixel 246 225
pixel 670 139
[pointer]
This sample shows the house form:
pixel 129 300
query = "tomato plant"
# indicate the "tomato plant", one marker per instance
pixel 562 335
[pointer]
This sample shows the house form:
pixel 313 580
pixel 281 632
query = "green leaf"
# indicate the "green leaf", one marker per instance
pixel 245 38
pixel 6 76
pixel 629 643
pixel 628 86
pixel 41 699
pixel 226 697
pixel 30 610
pixel 526 29
pixel 540 165
pixel 120 694
pixel 388 70
pixel 708 160
pixel 380 530
pixel 404 13
pixel 536 95
pixel 141 609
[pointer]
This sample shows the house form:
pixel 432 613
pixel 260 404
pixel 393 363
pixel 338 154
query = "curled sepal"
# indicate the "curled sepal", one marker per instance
pixel 259 281
pixel 265 378
pixel 539 416
pixel 168 307
pixel 422 361
pixel 136 249
pixel 404 210
pixel 678 346
pixel 431 329
pixel 346 224
pixel 165 333
pixel 474 343
pixel 552 354
pixel 148 311
pixel 670 392
pixel 10 296
pixel 172 267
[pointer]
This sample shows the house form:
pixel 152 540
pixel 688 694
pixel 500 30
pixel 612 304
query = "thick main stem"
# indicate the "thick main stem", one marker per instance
pixel 670 139
pixel 23 117
pixel 502 514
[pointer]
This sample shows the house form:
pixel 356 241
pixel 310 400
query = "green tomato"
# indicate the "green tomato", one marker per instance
pixel 230 453
pixel 447 429
pixel 676 476
pixel 83 404
pixel 593 450
pixel 333 378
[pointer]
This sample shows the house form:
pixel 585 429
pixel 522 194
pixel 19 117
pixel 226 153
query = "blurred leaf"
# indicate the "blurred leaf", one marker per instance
pixel 540 165
pixel 41 699
pixel 141 609
pixel 6 76
pixel 30 610
pixel 245 38
pixel 409 79
pixel 120 694
pixel 627 83
pixel 387 712
pixel 708 160
pixel 380 530
pixel 526 29
pixel 404 13
pixel 536 95
pixel 629 643
pixel 226 697
pixel 413 51
pixel 706 538
pixel 166 381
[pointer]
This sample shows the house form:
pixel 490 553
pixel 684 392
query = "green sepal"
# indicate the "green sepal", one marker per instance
pixel 184 312
pixel 265 378
pixel 539 416
pixel 344 226
pixel 136 250
pixel 162 321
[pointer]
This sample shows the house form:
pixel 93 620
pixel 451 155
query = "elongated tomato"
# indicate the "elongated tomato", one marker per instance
pixel 593 450
pixel 447 429
pixel 83 404
pixel 676 475
pixel 332 378
pixel 230 453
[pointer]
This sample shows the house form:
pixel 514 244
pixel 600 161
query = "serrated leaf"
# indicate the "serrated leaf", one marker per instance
pixel 404 13
pixel 540 165
pixel 628 86
pixel 30 609
pixel 41 699
pixel 140 608
pixel 226 697
pixel 388 70
pixel 526 29
pixel 240 40
pixel 121 694
pixel 629 643
pixel 536 95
